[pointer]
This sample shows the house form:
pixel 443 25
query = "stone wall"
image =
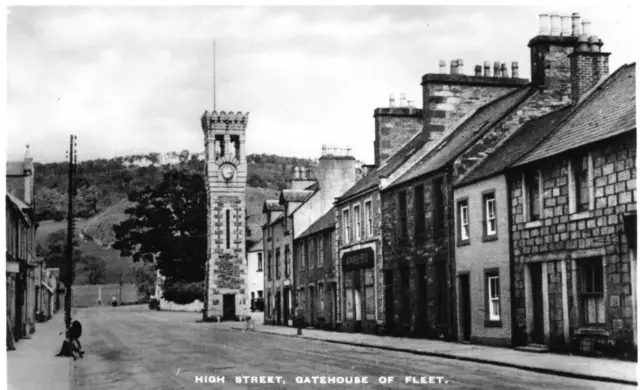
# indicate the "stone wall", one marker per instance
pixel 394 126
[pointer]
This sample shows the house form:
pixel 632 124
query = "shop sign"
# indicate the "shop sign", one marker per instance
pixel 362 258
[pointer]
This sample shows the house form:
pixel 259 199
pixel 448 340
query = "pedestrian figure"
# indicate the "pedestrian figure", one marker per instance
pixel 299 319
pixel 71 345
pixel 10 341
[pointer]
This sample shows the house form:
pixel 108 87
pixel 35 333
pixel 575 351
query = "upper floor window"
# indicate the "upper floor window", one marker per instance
pixel 346 225
pixel 533 191
pixel 357 221
pixel 438 205
pixel 269 265
pixel 463 220
pixel 228 228
pixel 278 264
pixel 259 261
pixel 320 250
pixel 490 220
pixel 580 183
pixel 368 214
pixel 418 208
pixel 312 252
pixel 402 214
pixel 302 255
pixel 287 262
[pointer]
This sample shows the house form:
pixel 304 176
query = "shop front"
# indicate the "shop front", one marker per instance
pixel 359 291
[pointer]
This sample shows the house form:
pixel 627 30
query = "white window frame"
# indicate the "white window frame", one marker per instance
pixel 357 221
pixel 346 226
pixel 368 211
pixel 491 199
pixel 493 296
pixel 525 196
pixel 464 223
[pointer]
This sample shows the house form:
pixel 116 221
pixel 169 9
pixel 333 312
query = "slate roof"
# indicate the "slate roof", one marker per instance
pixel 20 205
pixel 15 168
pixel 298 196
pixel 466 134
pixel 327 221
pixel 517 145
pixel 256 247
pixel 608 110
pixel 272 205
pixel 372 179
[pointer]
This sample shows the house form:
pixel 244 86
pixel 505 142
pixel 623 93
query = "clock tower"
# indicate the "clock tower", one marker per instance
pixel 225 180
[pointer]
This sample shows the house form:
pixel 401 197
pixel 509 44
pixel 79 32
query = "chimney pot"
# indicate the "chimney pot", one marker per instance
pixel 460 69
pixel 575 24
pixel 478 70
pixel 543 22
pixel 515 73
pixel 504 72
pixel 586 27
pixel 496 69
pixel 583 43
pixel 594 43
pixel 454 67
pixel 487 69
pixel 392 100
pixel 443 66
pixel 555 23
pixel 565 25
pixel 403 100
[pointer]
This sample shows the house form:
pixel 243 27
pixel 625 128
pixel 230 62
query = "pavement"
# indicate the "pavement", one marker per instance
pixel 34 366
pixel 135 348
pixel 597 369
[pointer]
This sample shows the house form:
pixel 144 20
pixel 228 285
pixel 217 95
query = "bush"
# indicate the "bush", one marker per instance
pixel 154 304
pixel 183 293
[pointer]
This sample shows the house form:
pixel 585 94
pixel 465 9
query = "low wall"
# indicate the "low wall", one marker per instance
pixel 88 295
pixel 195 306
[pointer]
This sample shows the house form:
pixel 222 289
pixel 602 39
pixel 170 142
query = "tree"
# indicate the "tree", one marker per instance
pixel 55 252
pixel 144 275
pixel 50 204
pixel 95 268
pixel 167 226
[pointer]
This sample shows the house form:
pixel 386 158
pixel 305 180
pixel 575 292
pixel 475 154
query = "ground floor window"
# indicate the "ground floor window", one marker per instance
pixel 321 298
pixel 492 294
pixel 592 291
pixel 269 304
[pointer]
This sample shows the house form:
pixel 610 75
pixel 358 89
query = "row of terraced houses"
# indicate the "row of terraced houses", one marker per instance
pixel 502 212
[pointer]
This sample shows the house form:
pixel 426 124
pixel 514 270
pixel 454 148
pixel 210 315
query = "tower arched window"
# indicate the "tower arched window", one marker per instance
pixel 228 225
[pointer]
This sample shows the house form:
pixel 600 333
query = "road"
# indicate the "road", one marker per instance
pixel 134 348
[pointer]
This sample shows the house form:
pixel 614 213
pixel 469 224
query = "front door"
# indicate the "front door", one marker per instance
pixel 229 307
pixel 388 300
pixel 537 333
pixel 286 306
pixel 278 308
pixel 421 330
pixel 465 307
pixel 312 306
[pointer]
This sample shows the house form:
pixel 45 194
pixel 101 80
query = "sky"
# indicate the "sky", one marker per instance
pixel 135 80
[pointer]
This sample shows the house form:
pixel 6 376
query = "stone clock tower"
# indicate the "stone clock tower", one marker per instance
pixel 225 179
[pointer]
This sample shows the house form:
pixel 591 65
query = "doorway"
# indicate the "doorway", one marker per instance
pixel 537 333
pixel 278 308
pixel 229 307
pixel 421 279
pixel 465 307
pixel 287 300
pixel 312 306
pixel 388 300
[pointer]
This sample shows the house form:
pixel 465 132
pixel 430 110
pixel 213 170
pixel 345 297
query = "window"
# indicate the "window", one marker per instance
pixel 302 255
pixel 580 183
pixel 287 262
pixel 402 214
pixel 357 223
pixel 490 220
pixel 418 207
pixel 369 218
pixel 278 264
pixel 268 304
pixel 532 188
pixel 269 264
pixel 438 205
pixel 346 225
pixel 592 292
pixel 259 261
pixel 463 220
pixel 228 222
pixel 320 250
pixel 321 298
pixel 312 253
pixel 493 296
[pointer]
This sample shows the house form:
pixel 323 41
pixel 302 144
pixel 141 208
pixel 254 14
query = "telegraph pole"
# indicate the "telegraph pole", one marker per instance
pixel 70 230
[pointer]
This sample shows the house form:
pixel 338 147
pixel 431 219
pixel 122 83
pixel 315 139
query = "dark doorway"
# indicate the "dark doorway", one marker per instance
pixel 421 279
pixel 229 307
pixel 537 333
pixel 312 306
pixel 388 300
pixel 286 306
pixel 278 308
pixel 465 307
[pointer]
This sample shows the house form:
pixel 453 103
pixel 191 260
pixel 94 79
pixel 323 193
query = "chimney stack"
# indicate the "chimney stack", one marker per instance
pixel 454 67
pixel 504 72
pixel 586 27
pixel 478 70
pixel 514 70
pixel 496 69
pixel 392 101
pixel 566 25
pixel 460 69
pixel 543 21
pixel 575 24
pixel 487 69
pixel 443 66
pixel 555 24
pixel 403 100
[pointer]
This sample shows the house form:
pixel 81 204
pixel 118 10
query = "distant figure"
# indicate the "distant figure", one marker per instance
pixel 114 301
pixel 11 346
pixel 299 319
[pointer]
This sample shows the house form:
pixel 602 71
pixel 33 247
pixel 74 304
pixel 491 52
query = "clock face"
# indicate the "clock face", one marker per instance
pixel 227 171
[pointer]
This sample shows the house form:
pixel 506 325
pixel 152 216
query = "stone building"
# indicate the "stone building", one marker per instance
pixel 314 272
pixel 573 214
pixel 255 268
pixel 482 238
pixel 226 291
pixel 295 210
pixel 21 262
